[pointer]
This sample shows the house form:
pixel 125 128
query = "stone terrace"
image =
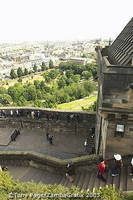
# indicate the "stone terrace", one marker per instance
pixel 69 134
pixel 35 140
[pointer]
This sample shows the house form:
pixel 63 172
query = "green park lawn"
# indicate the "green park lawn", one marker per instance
pixel 25 79
pixel 78 104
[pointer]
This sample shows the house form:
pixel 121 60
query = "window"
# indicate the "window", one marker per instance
pixel 120 128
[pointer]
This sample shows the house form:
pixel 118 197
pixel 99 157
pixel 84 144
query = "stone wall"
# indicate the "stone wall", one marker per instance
pixel 114 81
pixel 115 96
pixel 48 163
pixel 59 122
pixel 116 142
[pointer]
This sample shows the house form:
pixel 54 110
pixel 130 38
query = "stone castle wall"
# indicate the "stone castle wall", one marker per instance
pixel 118 142
pixel 56 121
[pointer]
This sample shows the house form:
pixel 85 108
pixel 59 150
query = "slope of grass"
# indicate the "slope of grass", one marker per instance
pixel 78 104
pixel 25 79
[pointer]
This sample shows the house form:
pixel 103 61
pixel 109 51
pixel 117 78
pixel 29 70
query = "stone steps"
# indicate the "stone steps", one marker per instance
pixel 84 184
pixel 85 180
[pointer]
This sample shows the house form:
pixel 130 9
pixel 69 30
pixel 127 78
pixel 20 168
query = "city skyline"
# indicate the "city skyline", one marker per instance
pixel 42 20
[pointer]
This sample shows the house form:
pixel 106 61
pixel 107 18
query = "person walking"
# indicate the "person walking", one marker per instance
pixel 70 172
pixel 47 136
pixel 118 164
pixel 85 145
pixel 101 170
pixel 131 168
pixel 50 139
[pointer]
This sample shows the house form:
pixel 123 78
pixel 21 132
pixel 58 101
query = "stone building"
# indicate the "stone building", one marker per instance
pixel 114 129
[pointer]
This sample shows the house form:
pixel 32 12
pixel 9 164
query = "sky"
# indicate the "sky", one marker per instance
pixel 43 20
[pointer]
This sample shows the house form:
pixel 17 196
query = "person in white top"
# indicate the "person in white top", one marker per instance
pixel 117 165
pixel 32 114
pixel 85 145
pixel 131 173
pixel 11 112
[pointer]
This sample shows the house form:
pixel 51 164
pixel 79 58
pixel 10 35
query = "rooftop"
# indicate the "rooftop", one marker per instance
pixel 121 50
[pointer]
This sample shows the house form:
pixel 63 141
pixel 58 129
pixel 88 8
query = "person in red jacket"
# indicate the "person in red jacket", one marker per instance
pixel 101 170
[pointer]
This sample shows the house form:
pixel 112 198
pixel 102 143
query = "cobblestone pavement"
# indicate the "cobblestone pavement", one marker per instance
pixel 64 145
pixel 5 135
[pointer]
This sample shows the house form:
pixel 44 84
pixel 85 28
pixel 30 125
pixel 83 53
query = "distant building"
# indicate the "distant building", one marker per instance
pixel 81 61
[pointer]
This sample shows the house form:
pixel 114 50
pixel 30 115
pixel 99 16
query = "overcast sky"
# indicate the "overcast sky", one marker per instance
pixel 37 20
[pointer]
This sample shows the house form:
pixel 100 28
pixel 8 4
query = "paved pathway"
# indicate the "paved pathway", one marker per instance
pixel 64 145
pixel 5 135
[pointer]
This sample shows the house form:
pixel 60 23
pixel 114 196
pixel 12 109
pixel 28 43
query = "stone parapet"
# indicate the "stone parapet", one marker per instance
pixel 38 160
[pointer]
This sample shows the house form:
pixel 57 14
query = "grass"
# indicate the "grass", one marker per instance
pixel 25 79
pixel 78 104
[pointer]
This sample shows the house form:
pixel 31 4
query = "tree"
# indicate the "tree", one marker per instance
pixel 69 73
pixel 62 97
pixel 5 99
pixel 13 74
pixel 51 65
pixel 47 78
pixel 26 71
pixel 39 94
pixel 3 90
pixel 44 87
pixel 89 87
pixel 62 82
pixel 19 72
pixel 53 73
pixel 21 101
pixel 43 68
pixel 69 81
pixel 76 78
pixel 43 64
pixel 35 68
pixel 79 91
pixel 86 75
pixel 38 103
pixel 50 100
pixel 30 93
pixel 37 84
pixel 16 91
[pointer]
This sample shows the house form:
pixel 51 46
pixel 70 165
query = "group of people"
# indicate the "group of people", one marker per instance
pixel 102 167
pixel 115 168
pixel 37 114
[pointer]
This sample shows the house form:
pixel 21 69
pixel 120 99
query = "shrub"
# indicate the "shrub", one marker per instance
pixel 8 187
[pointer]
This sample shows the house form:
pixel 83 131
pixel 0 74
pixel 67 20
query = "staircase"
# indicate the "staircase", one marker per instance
pixel 85 180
